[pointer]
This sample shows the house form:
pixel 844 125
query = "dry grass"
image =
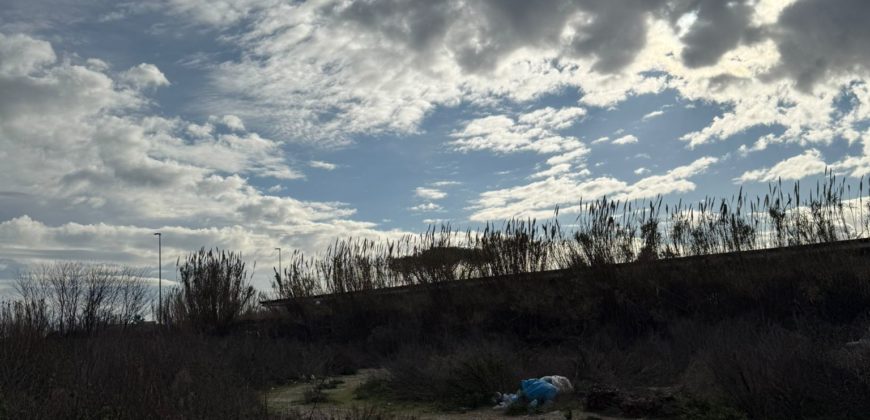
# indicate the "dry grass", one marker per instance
pixel 605 232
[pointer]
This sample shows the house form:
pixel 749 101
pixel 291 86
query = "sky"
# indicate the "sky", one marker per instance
pixel 256 124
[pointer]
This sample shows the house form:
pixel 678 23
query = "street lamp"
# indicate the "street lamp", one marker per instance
pixel 159 275
pixel 280 273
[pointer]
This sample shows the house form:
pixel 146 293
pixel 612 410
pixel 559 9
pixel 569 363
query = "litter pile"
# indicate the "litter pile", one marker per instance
pixel 534 392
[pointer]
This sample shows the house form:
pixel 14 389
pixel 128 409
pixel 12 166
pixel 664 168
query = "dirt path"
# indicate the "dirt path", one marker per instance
pixel 341 400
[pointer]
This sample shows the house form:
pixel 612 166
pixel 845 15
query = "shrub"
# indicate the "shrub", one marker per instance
pixel 465 377
pixel 770 372
pixel 215 290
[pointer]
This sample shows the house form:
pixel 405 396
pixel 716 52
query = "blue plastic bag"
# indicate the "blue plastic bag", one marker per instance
pixel 536 390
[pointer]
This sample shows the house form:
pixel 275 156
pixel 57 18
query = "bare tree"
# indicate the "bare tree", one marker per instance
pixel 132 296
pixel 84 298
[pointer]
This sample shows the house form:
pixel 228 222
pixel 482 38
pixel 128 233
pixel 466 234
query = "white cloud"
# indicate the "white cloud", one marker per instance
pixel 426 207
pixel 538 199
pixel 319 164
pixel 553 119
pixel 674 181
pixel 217 12
pixel 446 183
pixel 626 139
pixel 535 131
pixel 202 131
pixel 87 149
pixel 574 156
pixel 641 171
pixel 23 55
pixel 27 241
pixel 430 193
pixel 808 163
pixel 557 169
pixel 323 71
pixel 315 70
pixel 145 76
pixel 435 221
pixel 232 122
pixel 652 115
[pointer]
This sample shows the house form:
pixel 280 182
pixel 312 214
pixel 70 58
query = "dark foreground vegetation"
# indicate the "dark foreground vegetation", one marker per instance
pixel 777 335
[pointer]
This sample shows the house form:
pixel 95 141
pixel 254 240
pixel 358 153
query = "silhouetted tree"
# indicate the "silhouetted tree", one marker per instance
pixel 215 289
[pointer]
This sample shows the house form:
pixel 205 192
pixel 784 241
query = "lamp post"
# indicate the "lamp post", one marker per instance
pixel 159 275
pixel 280 273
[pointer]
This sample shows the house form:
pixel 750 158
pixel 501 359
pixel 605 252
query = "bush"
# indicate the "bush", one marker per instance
pixel 462 378
pixel 215 290
pixel 770 372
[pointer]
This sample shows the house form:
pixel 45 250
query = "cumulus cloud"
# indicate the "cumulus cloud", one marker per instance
pixel 22 54
pixel 316 70
pixel 233 122
pixel 718 27
pixel 25 241
pixel 808 163
pixel 87 149
pixel 324 71
pixel 817 38
pixel 145 75
pixel 426 207
pixel 429 193
pixel 626 139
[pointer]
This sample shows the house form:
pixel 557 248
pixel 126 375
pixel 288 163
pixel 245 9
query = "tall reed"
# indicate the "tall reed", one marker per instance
pixel 604 232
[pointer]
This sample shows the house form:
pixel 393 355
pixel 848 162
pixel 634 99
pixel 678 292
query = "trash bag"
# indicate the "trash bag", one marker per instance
pixel 538 391
pixel 503 401
pixel 535 392
pixel 561 383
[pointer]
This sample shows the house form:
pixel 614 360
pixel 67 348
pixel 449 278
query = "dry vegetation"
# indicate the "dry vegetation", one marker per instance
pixel 770 335
pixel 605 232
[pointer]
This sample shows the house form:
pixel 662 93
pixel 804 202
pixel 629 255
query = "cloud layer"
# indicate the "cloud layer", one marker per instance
pixel 92 159
pixel 336 69
pixel 79 144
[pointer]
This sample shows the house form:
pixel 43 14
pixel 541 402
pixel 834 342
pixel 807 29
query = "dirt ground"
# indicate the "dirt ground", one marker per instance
pixel 282 400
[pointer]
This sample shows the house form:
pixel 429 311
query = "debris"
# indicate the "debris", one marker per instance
pixel 534 392
pixel 561 383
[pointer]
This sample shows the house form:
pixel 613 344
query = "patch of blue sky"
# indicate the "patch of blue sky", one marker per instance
pixel 179 51
pixel 378 175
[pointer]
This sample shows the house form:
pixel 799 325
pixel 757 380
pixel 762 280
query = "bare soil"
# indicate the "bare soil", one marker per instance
pixel 341 399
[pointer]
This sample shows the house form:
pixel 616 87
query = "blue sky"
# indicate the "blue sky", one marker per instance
pixel 254 124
